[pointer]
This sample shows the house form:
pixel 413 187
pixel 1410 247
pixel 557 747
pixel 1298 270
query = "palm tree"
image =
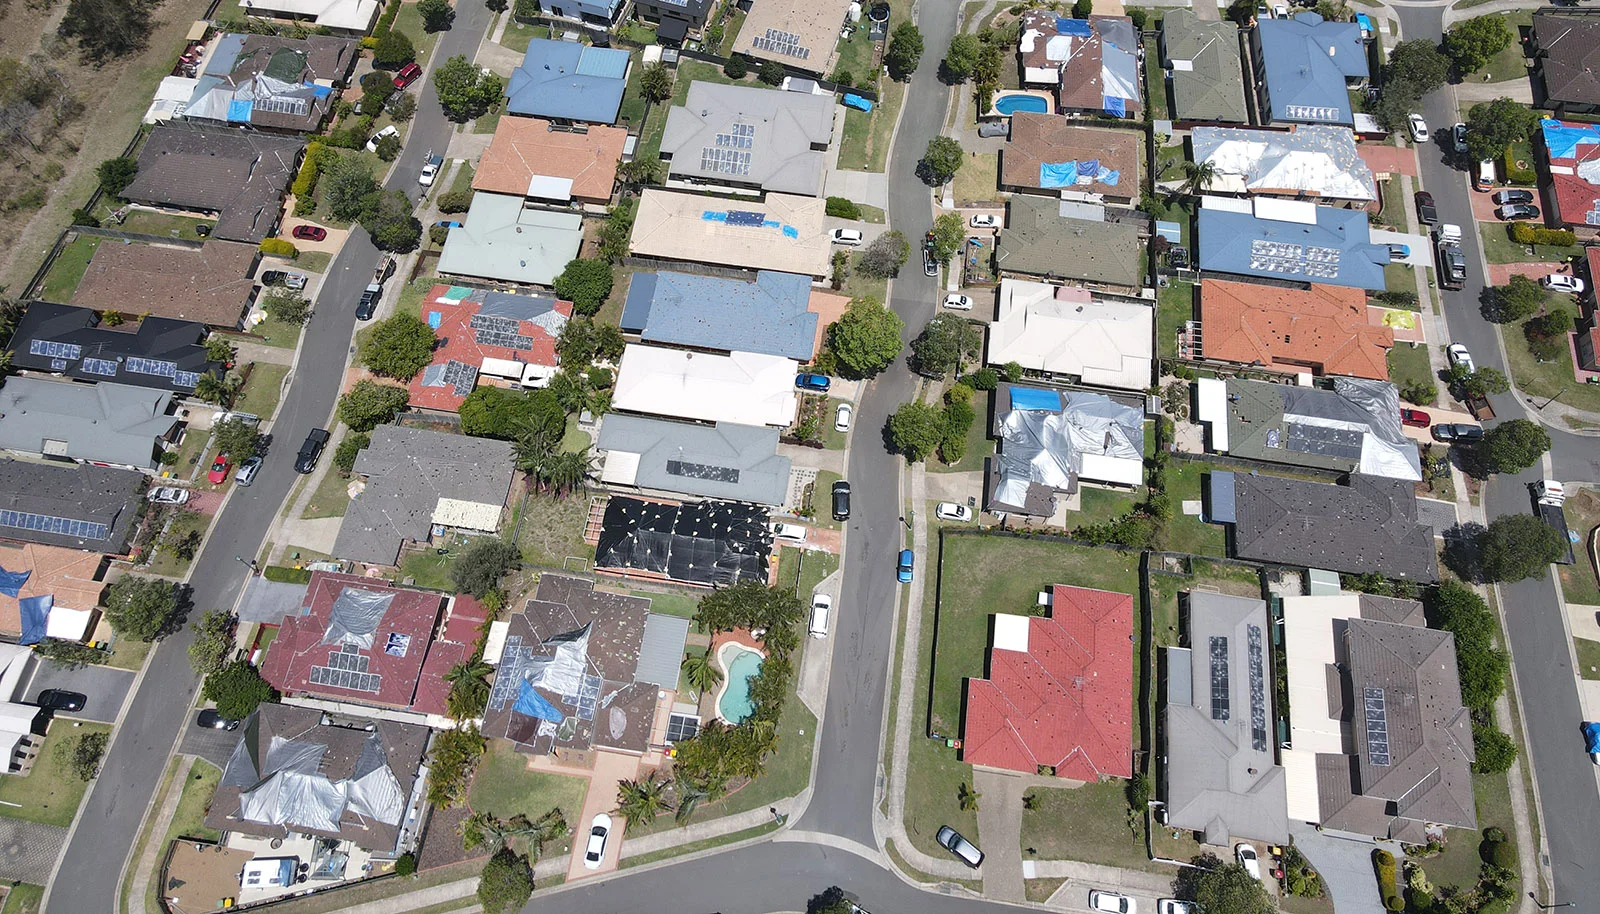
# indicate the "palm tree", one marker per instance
pixel 1198 176
pixel 690 796
pixel 564 471
pixel 640 801
pixel 966 797
pixel 701 673
pixel 469 688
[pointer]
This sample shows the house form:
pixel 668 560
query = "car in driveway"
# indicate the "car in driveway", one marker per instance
pixel 381 135
pixel 309 233
pixel 287 278
pixel 905 565
pixel 1454 432
pixel 846 237
pixel 167 495
pixel 1415 418
pixel 218 474
pixel 958 302
pixel 61 700
pixel 1111 902
pixel 949 510
pixel 1561 282
pixel 815 383
pixel 1427 213
pixel 595 850
pixel 1399 252
pixel 794 533
pixel 994 128
pixel 1517 211
pixel 985 220
pixel 1418 127
pixel 965 851
pixel 1246 854
pixel 821 605
pixel 430 170
pixel 1503 197
pixel 211 720
pixel 841 500
pixel 842 417
pixel 407 75
pixel 1457 354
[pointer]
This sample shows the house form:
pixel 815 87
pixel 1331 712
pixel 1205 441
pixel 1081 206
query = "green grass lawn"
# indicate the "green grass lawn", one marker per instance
pixel 1100 505
pixel 978 181
pixel 696 846
pixel 1397 277
pixel 167 562
pixel 260 394
pixel 552 530
pixel 1408 364
pixel 1089 823
pixel 277 333
pixel 191 451
pixel 1508 63
pixel 681 605
pixel 1459 864
pixel 856 53
pixel 1588 657
pixel 822 500
pixel 128 654
pixel 979 445
pixel 68 269
pixel 517 36
pixel 314 261
pixel 1187 532
pixel 860 285
pixel 1578 581
pixel 867 137
pixel 430 568
pixel 410 22
pixel 1394 206
pixel 1499 248
pixel 24 899
pixel 632 110
pixel 167 225
pixel 51 792
pixel 1155 79
pixel 804 569
pixel 503 787
pixel 1543 380
pixel 189 821
pixel 1174 307
pixel 332 498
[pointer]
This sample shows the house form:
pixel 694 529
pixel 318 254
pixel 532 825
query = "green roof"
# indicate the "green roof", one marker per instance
pixel 1039 241
pixel 1210 86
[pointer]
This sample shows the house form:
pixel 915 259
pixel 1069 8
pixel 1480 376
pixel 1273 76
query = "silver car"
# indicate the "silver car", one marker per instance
pixel 168 495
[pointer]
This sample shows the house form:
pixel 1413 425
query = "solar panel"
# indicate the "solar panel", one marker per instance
pixel 746 218
pixel 398 645
pixel 61 526
pixel 512 657
pixel 58 364
pixel 702 471
pixel 294 106
pixel 158 367
pixel 104 367
pixel 741 136
pixel 1377 715
pixel 1293 259
pixel 186 378
pixel 1258 689
pixel 681 727
pixel 461 377
pixel 1220 703
pixel 54 349
pixel 725 161
pixel 1326 442
pixel 780 42
pixel 504 332
pixel 587 699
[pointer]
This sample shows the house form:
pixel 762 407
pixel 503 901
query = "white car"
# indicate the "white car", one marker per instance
pixel 949 510
pixel 794 533
pixel 985 220
pixel 1111 902
pixel 168 495
pixel 391 130
pixel 1560 282
pixel 821 605
pixel 1248 859
pixel 599 831
pixel 1174 906
pixel 847 237
pixel 1419 128
pixel 1458 355
pixel 430 170
pixel 957 302
pixel 842 417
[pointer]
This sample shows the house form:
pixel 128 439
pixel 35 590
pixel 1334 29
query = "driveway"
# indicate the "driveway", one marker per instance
pixel 1421 253
pixel 106 687
pixel 28 850
pixel 1346 868
pixel 215 746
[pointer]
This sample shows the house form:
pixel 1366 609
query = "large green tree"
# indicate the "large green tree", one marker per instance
pixel 107 28
pixel 885 256
pixel 394 51
pixel 399 347
pixel 236 438
pixel 437 15
pixel 1514 301
pixel 1418 64
pixel 370 404
pixel 494 412
pixel 347 188
pixel 941 160
pixel 948 232
pixel 485 562
pixel 141 608
pixel 1518 546
pixel 905 51
pixel 586 282
pixel 465 92
pixel 1473 43
pixel 915 429
pixel 1230 887
pixel 655 81
pixel 944 344
pixel 1493 126
pixel 1457 608
pixel 388 218
pixel 506 883
pixel 1513 445
pixel 866 338
pixel 116 174
pixel 213 642
pixel 238 689
pixel 961 57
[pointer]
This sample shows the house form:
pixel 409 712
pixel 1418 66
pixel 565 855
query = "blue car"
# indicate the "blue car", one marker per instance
pixel 903 570
pixel 817 383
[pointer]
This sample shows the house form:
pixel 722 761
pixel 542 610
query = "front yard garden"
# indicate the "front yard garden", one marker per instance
pixel 504 787
pixel 51 792
pixel 1578 581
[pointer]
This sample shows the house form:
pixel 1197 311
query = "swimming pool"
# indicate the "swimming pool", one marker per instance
pixel 1010 103
pixel 734 704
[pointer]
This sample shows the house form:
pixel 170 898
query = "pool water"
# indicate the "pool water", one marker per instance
pixel 1011 104
pixel 735 705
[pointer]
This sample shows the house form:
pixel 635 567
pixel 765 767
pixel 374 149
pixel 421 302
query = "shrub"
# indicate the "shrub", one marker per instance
pixel 455 201
pixel 586 282
pixel 344 457
pixel 283 575
pixel 506 882
pixel 1498 853
pixel 1495 751
pixel 438 234
pixel 116 174
pixel 238 690
pixel 1383 863
pixel 1524 233
pixel 305 182
pixel 370 404
pixel 405 864
pixel 87 752
pixel 843 207
pixel 982 379
pixel 771 72
pixel 81 216
pixel 277 247
pixel 482 566
pixel 735 68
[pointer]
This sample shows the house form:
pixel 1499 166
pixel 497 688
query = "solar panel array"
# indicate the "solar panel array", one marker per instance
pixel 504 332
pixel 1258 689
pixel 461 377
pixel 681 727
pixel 61 526
pixel 746 218
pixel 587 699
pixel 1294 259
pixel 1220 702
pixel 780 42
pixel 105 367
pixel 186 378
pixel 158 367
pixel 743 136
pixel 297 107
pixel 702 471
pixel 54 349
pixel 1377 726
pixel 1343 443
pixel 724 162
pixel 346 669
pixel 505 688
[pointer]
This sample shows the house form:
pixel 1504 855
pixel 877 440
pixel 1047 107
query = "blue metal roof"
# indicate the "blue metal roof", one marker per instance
pixel 770 316
pixel 1335 250
pixel 570 81
pixel 1307 61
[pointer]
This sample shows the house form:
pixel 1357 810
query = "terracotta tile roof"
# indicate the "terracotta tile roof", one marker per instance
pixel 459 342
pixel 210 285
pixel 1066 701
pixel 1324 328
pixel 457 638
pixel 69 575
pixel 1577 200
pixel 1037 139
pixel 523 147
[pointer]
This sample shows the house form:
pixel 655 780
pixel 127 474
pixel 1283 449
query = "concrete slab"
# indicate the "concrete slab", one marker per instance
pixel 869 187
pixel 1000 827
pixel 1589 693
pixel 610 768
pixel 1346 868
pixel 28 850
pixel 1421 255
pixel 1584 621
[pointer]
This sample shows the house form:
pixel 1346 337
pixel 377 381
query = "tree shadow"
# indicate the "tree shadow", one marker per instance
pixel 1463 551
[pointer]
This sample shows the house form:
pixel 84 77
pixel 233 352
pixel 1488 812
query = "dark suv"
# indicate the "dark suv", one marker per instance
pixel 306 461
pixel 841 500
pixel 369 301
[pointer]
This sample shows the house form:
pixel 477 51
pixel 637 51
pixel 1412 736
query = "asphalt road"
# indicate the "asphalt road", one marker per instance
pixel 1569 801
pixel 139 751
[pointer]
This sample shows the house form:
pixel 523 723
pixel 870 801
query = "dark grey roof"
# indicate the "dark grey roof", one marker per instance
pixel 100 423
pixel 748 135
pixel 1568 53
pixel 1354 426
pixel 1368 525
pixel 1209 86
pixel 408 471
pixel 78 506
pixel 79 333
pixel 661 654
pixel 770 315
pixel 1221 776
pixel 240 175
pixel 735 462
pixel 1038 240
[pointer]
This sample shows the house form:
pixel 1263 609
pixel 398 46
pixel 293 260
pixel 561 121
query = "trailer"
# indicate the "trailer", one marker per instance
pixel 1548 497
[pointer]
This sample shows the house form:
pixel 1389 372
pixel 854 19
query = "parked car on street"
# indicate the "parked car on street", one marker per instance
pixel 816 383
pixel 985 220
pixel 167 495
pixel 904 567
pixel 842 417
pixel 1174 906
pixel 1458 138
pixel 1427 213
pixel 1248 859
pixel 949 510
pixel 370 296
pixel 1415 418
pixel 211 720
pixel 1503 197
pixel 408 74
pixel 595 850
pixel 930 267
pixel 1517 211
pixel 430 170
pixel 820 605
pixel 309 232
pixel 62 700
pixel 1419 128
pixel 311 450
pixel 1561 282
pixel 1457 354
pixel 1111 902
pixel 841 500
pixel 247 471
pixel 957 302
pixel 1457 432
pixel 218 474
pixel 951 840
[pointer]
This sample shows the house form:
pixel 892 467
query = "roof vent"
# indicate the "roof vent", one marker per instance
pixel 1332 50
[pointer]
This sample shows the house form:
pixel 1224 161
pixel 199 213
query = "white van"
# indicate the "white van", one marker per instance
pixel 1485 177
pixel 821 605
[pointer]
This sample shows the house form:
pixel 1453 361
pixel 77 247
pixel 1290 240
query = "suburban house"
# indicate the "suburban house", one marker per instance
pixel 594 12
pixel 62 592
pixel 579 669
pixel 727 461
pixel 745 388
pixel 1321 330
pixel 1047 154
pixel 502 239
pixel 1311 160
pixel 1291 240
pixel 156 352
pixel 1566 51
pixel 545 162
pixel 208 285
pixel 748 138
pixel 566 81
pixel 111 425
pixel 1204 75
pixel 342 17
pixel 772 314
pixel 1379 742
pixel 1353 427
pixel 301 770
pixel 240 177
pixel 1091 64
pixel 1222 779
pixel 499 338
pixel 1305 67
pixel 1050 439
pixel 703 543
pixel 674 15
pixel 420 482
pixel 785 232
pixel 271 83
pixel 1061 240
pixel 1063 330
pixel 1058 699
pixel 1572 152
pixel 1368 525
pixel 802 35
pixel 171 98
pixel 78 507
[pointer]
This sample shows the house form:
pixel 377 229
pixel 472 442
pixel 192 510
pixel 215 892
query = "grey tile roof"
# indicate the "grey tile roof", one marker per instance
pixel 156 339
pixel 735 462
pixel 1221 778
pixel 1039 241
pixel 1568 55
pixel 102 423
pixel 770 315
pixel 747 135
pixel 240 175
pixel 661 654
pixel 1211 85
pixel 1368 525
pixel 408 470
pixel 82 493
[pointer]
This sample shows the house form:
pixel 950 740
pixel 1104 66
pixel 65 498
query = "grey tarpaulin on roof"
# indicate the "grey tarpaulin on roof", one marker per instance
pixel 289 797
pixel 1038 446
pixel 290 789
pixel 562 672
pixel 294 755
pixel 355 616
pixel 1368 407
pixel 373 790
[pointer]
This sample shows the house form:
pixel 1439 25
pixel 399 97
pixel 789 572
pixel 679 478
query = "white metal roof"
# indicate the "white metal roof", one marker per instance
pixel 1011 632
pixel 467 515
pixel 742 387
pixel 1062 330
pixel 1212 397
pixel 1308 647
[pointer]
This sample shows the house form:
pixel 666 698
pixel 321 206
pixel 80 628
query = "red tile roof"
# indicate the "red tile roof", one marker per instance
pixel 1574 196
pixel 1324 329
pixel 1068 700
pixel 455 644
pixel 399 643
pixel 458 342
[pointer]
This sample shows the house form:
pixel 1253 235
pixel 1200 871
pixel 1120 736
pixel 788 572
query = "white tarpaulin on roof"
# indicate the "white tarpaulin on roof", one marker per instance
pixel 1313 159
pixel 563 671
pixel 1369 408
pixel 355 616
pixel 291 798
pixel 1094 437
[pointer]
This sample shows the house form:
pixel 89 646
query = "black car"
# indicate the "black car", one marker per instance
pixel 62 700
pixel 1427 213
pixel 272 277
pixel 369 301
pixel 311 450
pixel 211 720
pixel 1504 197
pixel 841 500
pixel 1458 433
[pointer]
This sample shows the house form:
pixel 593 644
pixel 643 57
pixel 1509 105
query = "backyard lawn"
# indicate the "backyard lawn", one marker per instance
pixel 1174 308
pixel 431 568
pixel 1187 532
pixel 68 269
pixel 145 222
pixel 1578 581
pixel 503 787
pixel 552 530
pixel 51 792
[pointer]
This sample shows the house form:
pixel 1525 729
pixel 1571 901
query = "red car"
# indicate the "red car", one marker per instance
pixel 408 74
pixel 219 470
pixel 310 232
pixel 1415 418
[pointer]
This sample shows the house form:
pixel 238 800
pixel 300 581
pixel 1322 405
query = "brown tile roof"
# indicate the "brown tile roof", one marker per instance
pixel 241 176
pixel 210 285
pixel 525 146
pixel 1569 52
pixel 1323 328
pixel 1037 139
pixel 72 576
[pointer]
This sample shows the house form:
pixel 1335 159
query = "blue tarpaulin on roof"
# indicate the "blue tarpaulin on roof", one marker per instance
pixel 35 613
pixel 319 91
pixel 1035 398
pixel 1563 139
pixel 1116 107
pixel 239 110
pixel 533 704
pixel 1077 28
pixel 856 101
pixel 435 319
pixel 1067 174
pixel 11 581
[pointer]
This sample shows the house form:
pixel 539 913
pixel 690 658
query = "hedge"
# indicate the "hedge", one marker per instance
pixel 386 21
pixel 1383 863
pixel 277 247
pixel 1524 233
pixel 843 208
pixel 317 156
pixel 1515 175
pixel 283 574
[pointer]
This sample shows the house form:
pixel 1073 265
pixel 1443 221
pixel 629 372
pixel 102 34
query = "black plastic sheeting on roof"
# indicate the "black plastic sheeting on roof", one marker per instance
pixel 701 542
